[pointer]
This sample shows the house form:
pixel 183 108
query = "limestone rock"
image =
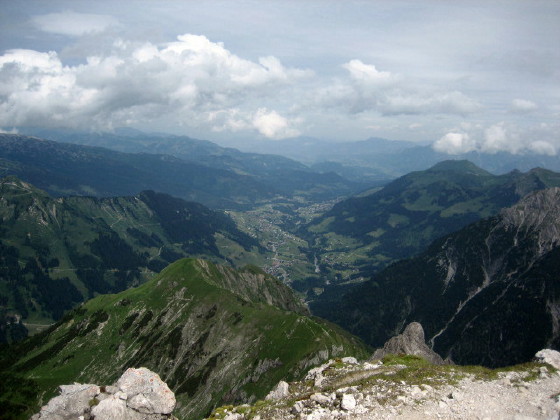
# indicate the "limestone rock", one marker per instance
pixel 552 357
pixel 412 342
pixel 138 395
pixel 348 402
pixel 146 392
pixel 280 391
pixel 112 408
pixel 72 402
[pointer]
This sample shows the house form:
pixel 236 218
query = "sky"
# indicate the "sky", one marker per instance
pixel 462 75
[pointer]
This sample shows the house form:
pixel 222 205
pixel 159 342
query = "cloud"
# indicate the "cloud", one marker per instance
pixel 12 131
pixel 269 124
pixel 73 24
pixel 522 106
pixel 191 80
pixel 272 125
pixel 542 148
pixel 367 72
pixel 370 90
pixel 499 137
pixel 428 103
pixel 454 144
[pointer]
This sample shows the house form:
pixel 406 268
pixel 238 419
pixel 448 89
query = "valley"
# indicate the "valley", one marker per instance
pixel 253 210
pixel 221 299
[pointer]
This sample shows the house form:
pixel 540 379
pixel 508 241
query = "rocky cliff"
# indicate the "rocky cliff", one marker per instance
pixel 488 294
pixel 412 342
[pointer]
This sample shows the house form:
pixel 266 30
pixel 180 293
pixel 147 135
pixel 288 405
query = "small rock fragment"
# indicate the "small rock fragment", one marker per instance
pixel 348 402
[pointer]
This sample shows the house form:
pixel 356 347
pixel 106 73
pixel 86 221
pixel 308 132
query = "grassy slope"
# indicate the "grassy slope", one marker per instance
pixel 211 345
pixel 56 252
pixel 405 216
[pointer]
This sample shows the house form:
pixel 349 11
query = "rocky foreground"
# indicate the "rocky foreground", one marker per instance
pixel 409 387
pixel 139 394
pixel 403 380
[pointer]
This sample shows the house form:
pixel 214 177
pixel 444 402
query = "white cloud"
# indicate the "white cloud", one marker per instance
pixel 522 106
pixel 272 125
pixel 454 144
pixel 428 103
pixel 192 79
pixel 12 131
pixel 269 124
pixel 542 148
pixel 74 24
pixel 367 72
pixel 370 90
pixel 499 137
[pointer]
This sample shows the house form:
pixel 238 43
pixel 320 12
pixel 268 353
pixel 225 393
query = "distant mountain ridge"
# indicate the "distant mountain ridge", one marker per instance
pixel 253 177
pixel 403 217
pixel 215 335
pixel 69 169
pixel 55 252
pixel 488 294
pixel 378 158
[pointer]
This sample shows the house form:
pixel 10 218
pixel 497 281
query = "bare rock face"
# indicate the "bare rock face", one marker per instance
pixel 139 394
pixel 281 391
pixel 411 341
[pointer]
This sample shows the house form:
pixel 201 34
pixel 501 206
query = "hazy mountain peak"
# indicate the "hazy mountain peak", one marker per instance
pixel 463 166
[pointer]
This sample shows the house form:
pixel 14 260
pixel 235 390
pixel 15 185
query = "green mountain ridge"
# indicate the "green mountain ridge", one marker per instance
pixel 203 328
pixel 56 252
pixel 361 235
pixel 487 294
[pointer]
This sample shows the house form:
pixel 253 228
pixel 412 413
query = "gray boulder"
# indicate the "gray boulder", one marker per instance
pixel 412 342
pixel 552 357
pixel 73 402
pixel 139 394
pixel 146 392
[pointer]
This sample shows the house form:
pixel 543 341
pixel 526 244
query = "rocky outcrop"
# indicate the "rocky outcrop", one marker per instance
pixel 280 391
pixel 411 388
pixel 551 357
pixel 139 394
pixel 488 294
pixel 412 342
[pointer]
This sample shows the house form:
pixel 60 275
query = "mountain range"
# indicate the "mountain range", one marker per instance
pixel 365 233
pixel 195 170
pixel 471 255
pixel 56 252
pixel 214 334
pixel 381 159
pixel 488 294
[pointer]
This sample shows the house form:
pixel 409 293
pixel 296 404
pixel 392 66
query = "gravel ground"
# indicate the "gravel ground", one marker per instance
pixel 352 390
